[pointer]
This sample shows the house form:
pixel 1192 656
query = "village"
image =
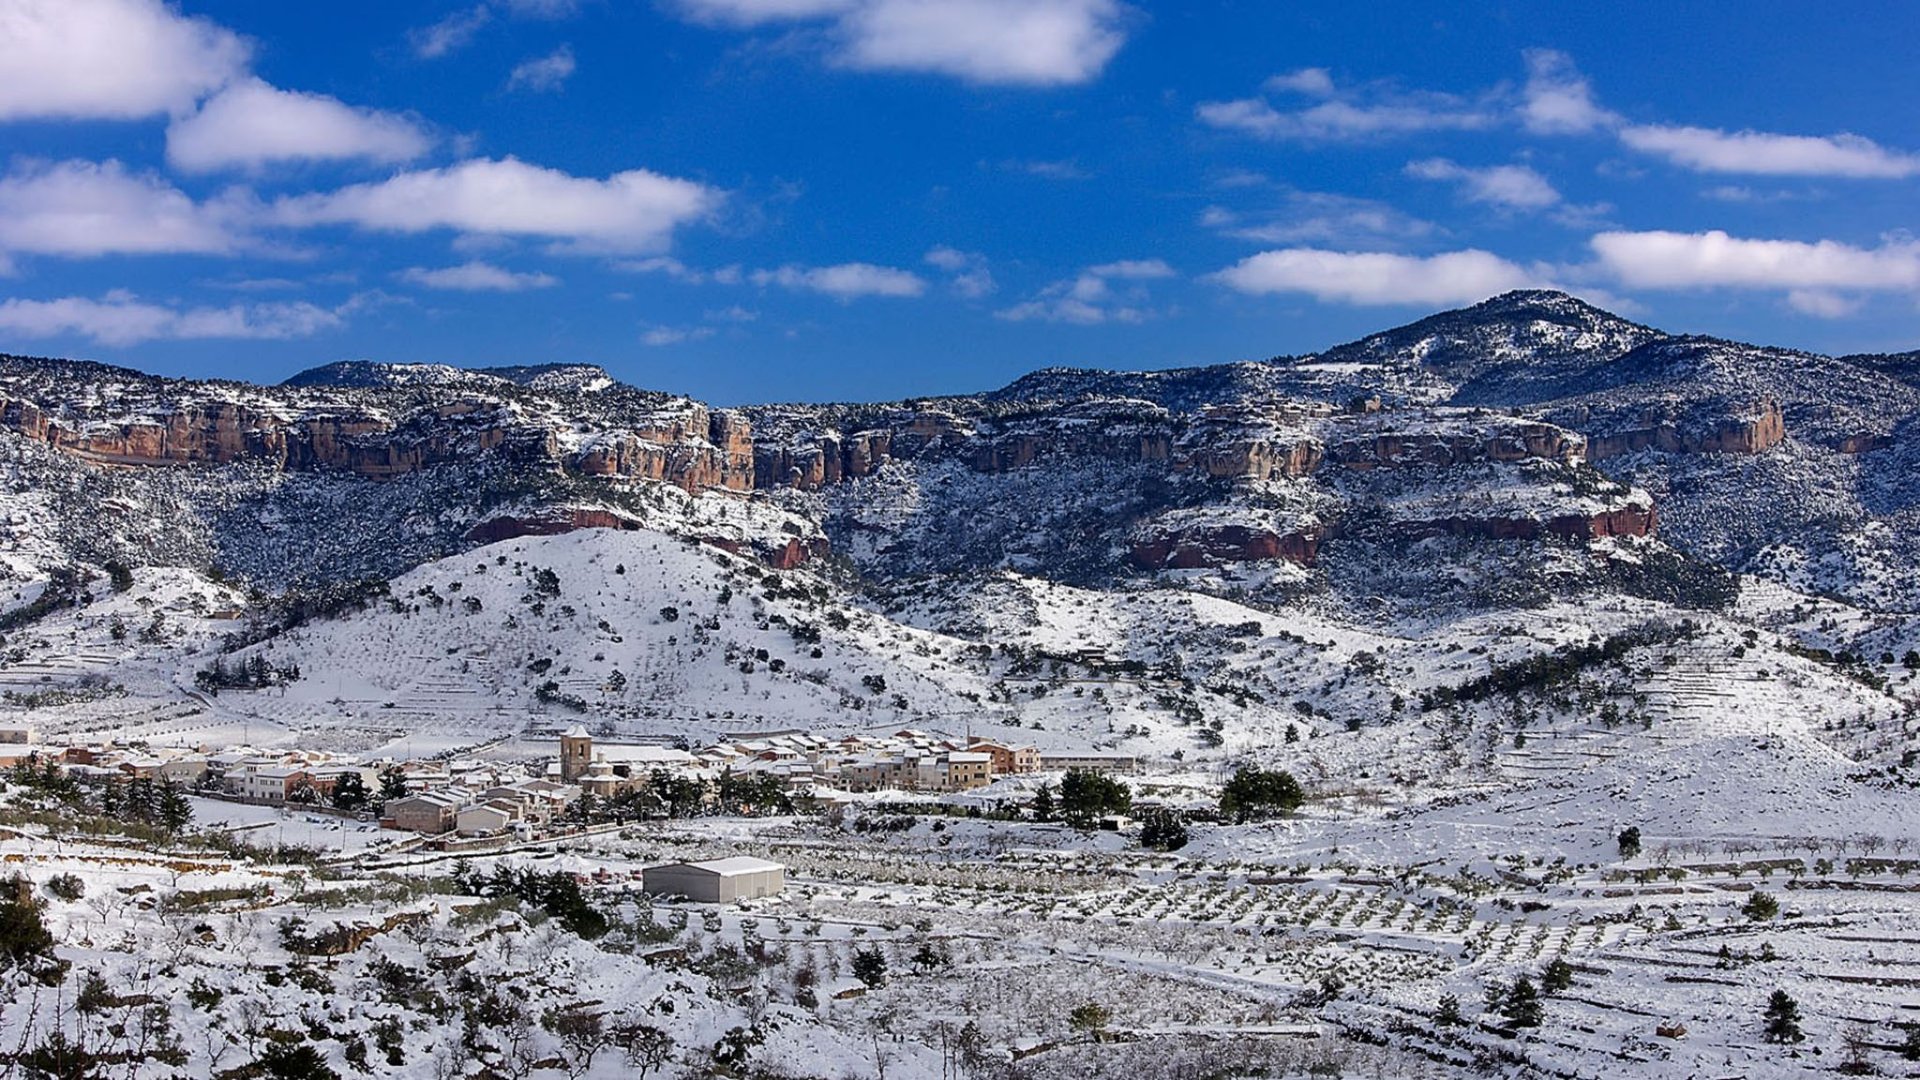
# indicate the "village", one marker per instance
pixel 468 802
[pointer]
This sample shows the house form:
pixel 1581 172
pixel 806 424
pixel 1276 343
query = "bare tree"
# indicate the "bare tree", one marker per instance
pixel 582 1034
pixel 645 1047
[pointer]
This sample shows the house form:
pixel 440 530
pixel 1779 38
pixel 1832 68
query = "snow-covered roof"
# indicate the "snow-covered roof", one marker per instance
pixel 735 866
pixel 431 797
pixel 640 754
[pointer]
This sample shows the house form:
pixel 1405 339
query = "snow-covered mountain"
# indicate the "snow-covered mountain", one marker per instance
pixel 1464 491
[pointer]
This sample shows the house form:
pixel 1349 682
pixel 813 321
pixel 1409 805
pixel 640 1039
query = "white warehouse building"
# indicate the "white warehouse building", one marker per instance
pixel 720 881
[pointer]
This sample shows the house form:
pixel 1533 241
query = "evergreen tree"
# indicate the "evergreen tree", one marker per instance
pixel 1091 1018
pixel 25 942
pixel 282 1061
pixel 1783 1019
pixel 350 791
pixel 1254 794
pixel 1760 907
pixel 1043 808
pixel 1629 840
pixel 143 803
pixel 111 799
pixel 1163 830
pixel 870 967
pixel 175 811
pixel 1522 1006
pixel 930 958
pixel 1085 796
pixel 393 784
pixel 1557 977
pixel 1448 1014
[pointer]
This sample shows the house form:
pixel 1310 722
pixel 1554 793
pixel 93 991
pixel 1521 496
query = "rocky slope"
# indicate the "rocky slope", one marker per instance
pixel 1531 419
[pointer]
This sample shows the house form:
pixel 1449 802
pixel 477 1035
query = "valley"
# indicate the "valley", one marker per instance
pixel 1589 651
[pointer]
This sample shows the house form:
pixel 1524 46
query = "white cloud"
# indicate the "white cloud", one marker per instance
pixel 1822 304
pixel 1014 42
pixel 120 318
pixel 1558 100
pixel 747 13
pixel 1133 270
pixel 1371 111
pixel 1340 120
pixel 477 277
pixel 1675 260
pixel 969 274
pixel 634 211
pixel 250 124
pixel 681 272
pixel 1091 298
pixel 83 209
pixel 109 59
pixel 1374 278
pixel 1317 82
pixel 1740 193
pixel 660 336
pixel 451 33
pixel 1036 42
pixel 1765 154
pixel 1317 217
pixel 1513 187
pixel 458 29
pixel 847 281
pixel 543 73
pixel 543 9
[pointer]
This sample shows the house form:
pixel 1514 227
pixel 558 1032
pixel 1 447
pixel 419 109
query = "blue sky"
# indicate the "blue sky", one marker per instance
pixel 752 200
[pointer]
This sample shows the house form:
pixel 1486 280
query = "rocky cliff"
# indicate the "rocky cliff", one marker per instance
pixel 692 447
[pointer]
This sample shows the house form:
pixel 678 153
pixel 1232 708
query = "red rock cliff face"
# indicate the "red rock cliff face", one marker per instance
pixel 1664 428
pixel 1221 545
pixel 1632 519
pixel 550 522
pixel 697 450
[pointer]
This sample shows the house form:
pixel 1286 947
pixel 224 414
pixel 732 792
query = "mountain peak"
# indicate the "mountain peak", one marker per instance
pixel 373 374
pixel 1525 300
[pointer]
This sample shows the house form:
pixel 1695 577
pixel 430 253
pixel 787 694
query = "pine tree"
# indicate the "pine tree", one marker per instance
pixel 393 784
pixel 1557 977
pixel 1254 794
pixel 1163 830
pixel 870 967
pixel 111 799
pixel 350 791
pixel 143 803
pixel 1629 841
pixel 1783 1018
pixel 175 811
pixel 1522 1007
pixel 1448 1014
pixel 1043 803
pixel 1091 1018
